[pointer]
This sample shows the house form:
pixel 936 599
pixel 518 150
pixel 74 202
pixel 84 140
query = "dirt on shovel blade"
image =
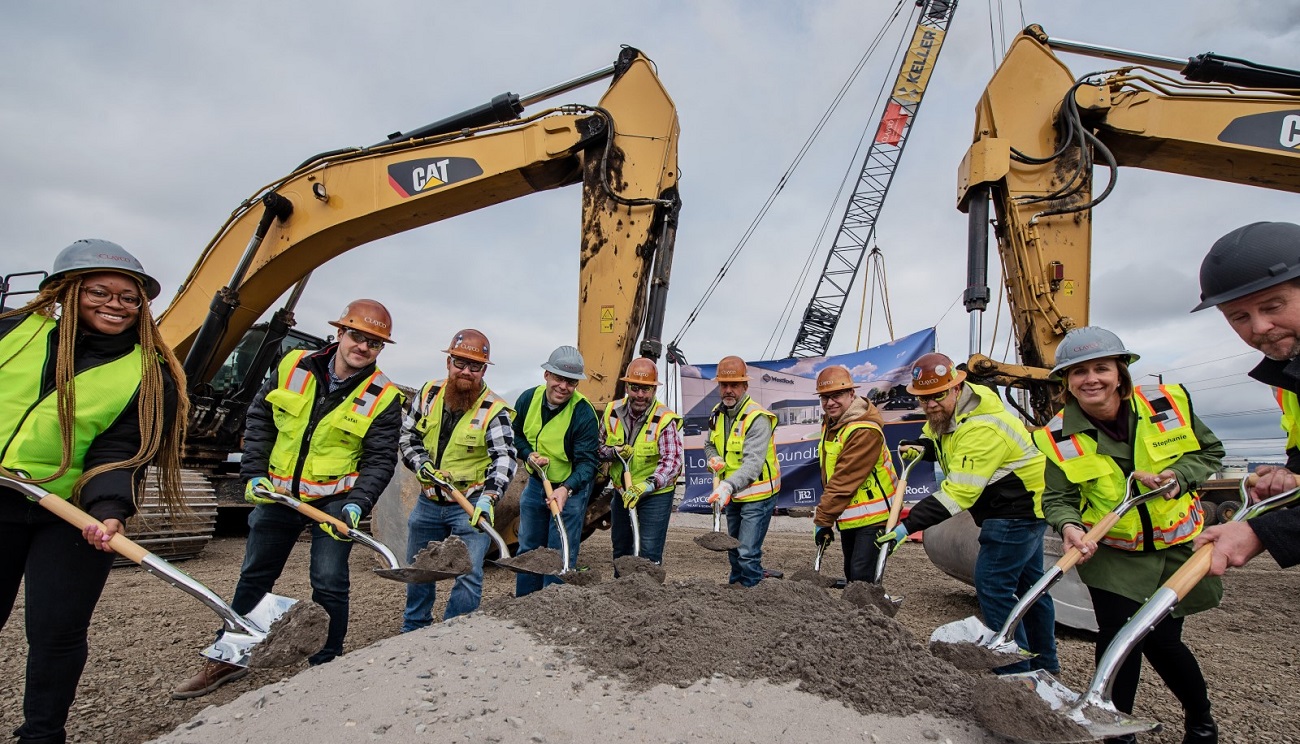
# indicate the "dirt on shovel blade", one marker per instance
pixel 971 656
pixel 448 556
pixel 295 635
pixel 718 541
pixel 582 577
pixel 538 560
pixel 867 594
pixel 1012 709
pixel 813 577
pixel 633 564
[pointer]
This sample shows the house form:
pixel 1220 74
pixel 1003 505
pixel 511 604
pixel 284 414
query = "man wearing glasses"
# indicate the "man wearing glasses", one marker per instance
pixel 323 429
pixel 456 431
pixel 992 468
pixel 642 432
pixel 556 434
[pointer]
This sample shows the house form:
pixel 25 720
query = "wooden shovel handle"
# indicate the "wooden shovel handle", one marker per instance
pixel 1252 479
pixel 1190 573
pixel 548 489
pixel 896 505
pixel 120 543
pixel 1098 531
pixel 316 515
pixel 459 498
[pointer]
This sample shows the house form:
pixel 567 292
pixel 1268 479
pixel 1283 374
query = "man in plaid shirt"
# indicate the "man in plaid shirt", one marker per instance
pixel 457 431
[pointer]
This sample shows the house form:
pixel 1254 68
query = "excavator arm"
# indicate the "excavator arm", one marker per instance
pixel 1039 132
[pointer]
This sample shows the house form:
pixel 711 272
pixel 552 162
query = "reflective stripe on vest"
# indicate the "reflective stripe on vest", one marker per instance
pixel 548 440
pixel 870 503
pixel 731 444
pixel 467 457
pixel 645 448
pixel 329 465
pixel 29 422
pixel 1164 429
pixel 1290 405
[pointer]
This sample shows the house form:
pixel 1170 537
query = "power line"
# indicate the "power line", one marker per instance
pixel 1212 361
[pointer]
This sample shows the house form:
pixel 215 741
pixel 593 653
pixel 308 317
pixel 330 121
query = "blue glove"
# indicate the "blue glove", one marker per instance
pixel 351 515
pixel 259 482
pixel 823 535
pixel 891 540
pixel 482 509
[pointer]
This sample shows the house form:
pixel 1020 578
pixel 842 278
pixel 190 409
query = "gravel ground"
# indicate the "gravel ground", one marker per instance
pixel 146 635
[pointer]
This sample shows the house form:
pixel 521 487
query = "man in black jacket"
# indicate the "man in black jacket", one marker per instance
pixel 324 429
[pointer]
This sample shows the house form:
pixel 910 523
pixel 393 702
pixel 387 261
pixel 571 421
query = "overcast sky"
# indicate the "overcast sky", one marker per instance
pixel 146 123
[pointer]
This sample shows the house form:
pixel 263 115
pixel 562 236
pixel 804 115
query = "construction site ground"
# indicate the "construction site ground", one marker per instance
pixel 483 678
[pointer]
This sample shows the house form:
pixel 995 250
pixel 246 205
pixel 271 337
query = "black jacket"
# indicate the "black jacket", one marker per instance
pixel 1280 530
pixel 109 495
pixel 378 448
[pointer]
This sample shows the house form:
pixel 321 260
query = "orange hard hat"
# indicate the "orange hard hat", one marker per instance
pixel 934 373
pixel 641 371
pixel 369 317
pixel 732 369
pixel 835 378
pixel 469 344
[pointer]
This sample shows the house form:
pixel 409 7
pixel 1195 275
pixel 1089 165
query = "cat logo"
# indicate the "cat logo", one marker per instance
pixel 414 177
pixel 1274 130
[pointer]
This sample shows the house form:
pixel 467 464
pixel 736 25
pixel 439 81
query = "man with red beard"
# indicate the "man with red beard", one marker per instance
pixel 457 431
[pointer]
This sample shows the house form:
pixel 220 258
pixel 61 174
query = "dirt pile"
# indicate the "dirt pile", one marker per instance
pixel 866 594
pixel 630 564
pixel 972 656
pixel 295 635
pixel 538 561
pixel 718 541
pixel 450 556
pixel 1016 711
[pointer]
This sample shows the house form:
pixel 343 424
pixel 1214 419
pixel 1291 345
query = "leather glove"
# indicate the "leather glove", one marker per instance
pixel 259 482
pixel 891 540
pixel 483 510
pixel 927 448
pixel 632 495
pixel 351 516
pixel 428 474
pixel 624 451
pixel 823 535
pixel 716 464
pixel 721 494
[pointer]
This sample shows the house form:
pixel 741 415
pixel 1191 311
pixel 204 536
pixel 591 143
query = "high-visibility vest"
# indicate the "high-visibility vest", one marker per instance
pixel 29 421
pixel 330 464
pixel 548 440
pixel 466 456
pixel 870 503
pixel 1163 435
pixel 645 446
pixel 1290 405
pixel 731 445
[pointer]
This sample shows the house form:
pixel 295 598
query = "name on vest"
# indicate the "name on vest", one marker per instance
pixel 1171 440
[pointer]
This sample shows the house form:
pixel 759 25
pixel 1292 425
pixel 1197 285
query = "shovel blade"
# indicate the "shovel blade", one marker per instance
pixel 235 645
pixel 970 644
pixel 1098 718
pixel 414 575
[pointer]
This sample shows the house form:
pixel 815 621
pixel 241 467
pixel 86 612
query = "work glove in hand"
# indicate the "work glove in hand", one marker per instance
pixel 252 497
pixel 351 516
pixel 429 475
pixel 926 446
pixel 624 451
pixel 823 535
pixel 721 494
pixel 633 495
pixel 891 540
pixel 483 510
pixel 716 464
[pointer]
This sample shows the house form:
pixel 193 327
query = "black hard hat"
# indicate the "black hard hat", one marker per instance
pixel 1248 259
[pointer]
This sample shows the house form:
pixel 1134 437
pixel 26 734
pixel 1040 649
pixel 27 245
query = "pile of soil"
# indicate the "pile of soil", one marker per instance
pixel 448 556
pixel 295 635
pixel 1016 711
pixel 866 594
pixel 539 561
pixel 813 577
pixel 632 564
pixel 718 541
pixel 972 656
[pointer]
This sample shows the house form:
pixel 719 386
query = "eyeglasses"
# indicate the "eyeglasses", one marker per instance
pixel 634 388
pixel 566 381
pixel 101 296
pixel 831 396
pixel 459 363
pixel 373 343
pixel 936 397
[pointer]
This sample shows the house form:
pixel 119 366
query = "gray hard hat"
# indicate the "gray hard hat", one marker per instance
pixel 1088 343
pixel 566 361
pixel 91 255
pixel 1251 258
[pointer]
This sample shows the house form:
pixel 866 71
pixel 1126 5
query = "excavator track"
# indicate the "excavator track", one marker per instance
pixel 174 537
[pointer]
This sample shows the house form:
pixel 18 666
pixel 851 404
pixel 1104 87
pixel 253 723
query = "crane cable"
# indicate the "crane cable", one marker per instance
pixel 876 270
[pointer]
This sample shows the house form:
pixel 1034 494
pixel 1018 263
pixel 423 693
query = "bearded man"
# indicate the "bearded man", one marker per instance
pixel 456 431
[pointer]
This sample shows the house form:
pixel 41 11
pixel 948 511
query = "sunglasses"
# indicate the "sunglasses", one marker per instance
pixel 632 387
pixel 832 396
pixel 373 343
pixel 936 397
pixel 459 363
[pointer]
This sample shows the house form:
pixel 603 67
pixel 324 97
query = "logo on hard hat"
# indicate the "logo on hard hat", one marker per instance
pixel 375 321
pixel 1087 347
pixel 112 257
pixel 941 369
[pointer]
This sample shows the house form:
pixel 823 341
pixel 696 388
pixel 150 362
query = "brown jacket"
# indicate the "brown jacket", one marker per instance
pixel 856 461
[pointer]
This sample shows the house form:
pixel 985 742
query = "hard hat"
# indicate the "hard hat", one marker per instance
pixel 1254 257
pixel 732 369
pixel 566 361
pixel 835 378
pixel 641 371
pixel 91 255
pixel 369 317
pixel 1087 343
pixel 469 344
pixel 934 373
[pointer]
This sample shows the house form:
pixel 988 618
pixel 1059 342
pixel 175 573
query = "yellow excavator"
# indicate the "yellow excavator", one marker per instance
pixel 1039 133
pixel 622 150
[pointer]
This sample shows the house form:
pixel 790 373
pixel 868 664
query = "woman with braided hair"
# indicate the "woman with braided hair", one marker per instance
pixel 88 399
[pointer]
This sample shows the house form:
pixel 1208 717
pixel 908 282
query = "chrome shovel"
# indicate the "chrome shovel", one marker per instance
pixel 631 512
pixel 895 509
pixel 503 550
pixel 718 540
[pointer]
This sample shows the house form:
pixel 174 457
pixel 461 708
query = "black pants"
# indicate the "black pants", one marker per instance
pixel 861 551
pixel 1163 647
pixel 62 578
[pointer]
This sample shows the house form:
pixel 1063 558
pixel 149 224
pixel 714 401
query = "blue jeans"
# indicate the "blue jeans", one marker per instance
pixel 652 513
pixel 273 530
pixel 1010 561
pixel 747 521
pixel 433 520
pixel 537 530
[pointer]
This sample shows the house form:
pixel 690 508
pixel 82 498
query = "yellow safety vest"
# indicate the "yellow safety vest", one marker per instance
pixel 1164 434
pixel 29 421
pixel 645 448
pixel 731 445
pixel 548 441
pixel 467 457
pixel 330 465
pixel 870 503
pixel 1290 405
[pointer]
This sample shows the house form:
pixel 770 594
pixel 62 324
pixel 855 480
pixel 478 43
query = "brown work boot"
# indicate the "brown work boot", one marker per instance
pixel 212 675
